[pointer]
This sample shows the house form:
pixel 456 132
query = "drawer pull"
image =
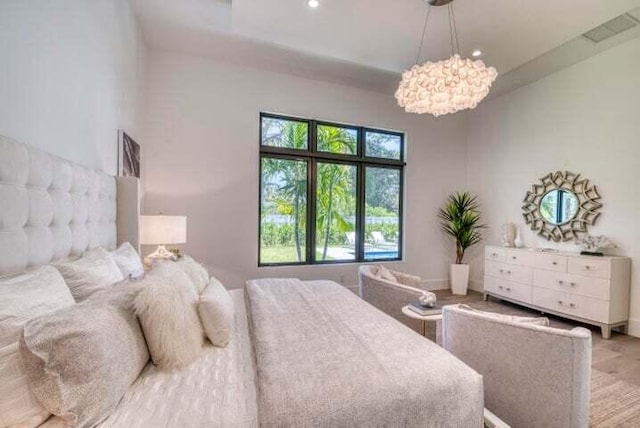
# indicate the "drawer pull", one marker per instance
pixel 514 257
pixel 587 267
pixel 561 282
pixel 559 302
pixel 573 284
pixel 554 263
pixel 572 305
pixel 500 287
pixel 494 254
pixel 508 289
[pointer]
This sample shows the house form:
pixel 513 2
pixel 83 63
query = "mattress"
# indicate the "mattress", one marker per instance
pixel 217 390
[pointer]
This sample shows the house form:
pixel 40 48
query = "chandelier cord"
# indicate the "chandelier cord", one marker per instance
pixel 452 30
pixel 455 28
pixel 424 30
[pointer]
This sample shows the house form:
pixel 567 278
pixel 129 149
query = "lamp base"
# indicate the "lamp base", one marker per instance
pixel 162 253
pixel 439 2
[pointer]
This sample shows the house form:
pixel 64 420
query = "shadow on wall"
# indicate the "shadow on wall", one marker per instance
pixel 222 224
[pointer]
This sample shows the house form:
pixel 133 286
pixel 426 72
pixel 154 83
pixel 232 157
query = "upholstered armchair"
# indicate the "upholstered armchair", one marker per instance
pixel 534 376
pixel 390 296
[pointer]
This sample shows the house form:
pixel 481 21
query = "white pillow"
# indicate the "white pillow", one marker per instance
pixel 167 308
pixel 216 313
pixel 92 272
pixel 196 272
pixel 21 299
pixel 386 274
pixel 128 261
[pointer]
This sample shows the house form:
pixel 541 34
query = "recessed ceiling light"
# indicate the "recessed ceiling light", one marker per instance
pixel 476 53
pixel 313 3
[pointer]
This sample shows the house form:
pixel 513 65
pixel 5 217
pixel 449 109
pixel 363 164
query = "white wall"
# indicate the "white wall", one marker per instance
pixel 202 157
pixel 583 119
pixel 70 76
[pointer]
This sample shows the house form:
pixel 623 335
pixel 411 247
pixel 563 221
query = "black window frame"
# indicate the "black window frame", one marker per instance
pixel 312 156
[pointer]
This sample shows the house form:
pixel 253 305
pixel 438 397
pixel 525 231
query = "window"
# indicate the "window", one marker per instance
pixel 329 193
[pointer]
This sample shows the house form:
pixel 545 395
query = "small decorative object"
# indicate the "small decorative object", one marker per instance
pixel 427 299
pixel 128 156
pixel 561 206
pixel 508 234
pixel 460 219
pixel 161 230
pixel 518 243
pixel 593 245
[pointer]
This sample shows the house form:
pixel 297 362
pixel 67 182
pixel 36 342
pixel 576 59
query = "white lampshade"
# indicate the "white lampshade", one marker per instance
pixel 163 229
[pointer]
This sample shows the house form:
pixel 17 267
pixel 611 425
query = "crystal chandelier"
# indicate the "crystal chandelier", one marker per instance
pixel 444 86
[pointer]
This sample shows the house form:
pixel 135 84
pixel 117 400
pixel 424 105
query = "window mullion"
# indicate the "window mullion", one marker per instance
pixel 311 210
pixel 360 212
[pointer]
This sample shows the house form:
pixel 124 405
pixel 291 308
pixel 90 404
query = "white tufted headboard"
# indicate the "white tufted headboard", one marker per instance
pixel 51 208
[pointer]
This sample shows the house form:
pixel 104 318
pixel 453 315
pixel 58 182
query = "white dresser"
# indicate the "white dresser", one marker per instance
pixel 594 290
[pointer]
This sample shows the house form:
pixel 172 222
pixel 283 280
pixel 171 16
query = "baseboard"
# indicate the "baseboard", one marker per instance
pixel 476 285
pixel 434 284
pixel 634 327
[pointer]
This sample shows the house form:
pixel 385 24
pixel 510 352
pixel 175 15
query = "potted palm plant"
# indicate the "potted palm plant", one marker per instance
pixel 460 219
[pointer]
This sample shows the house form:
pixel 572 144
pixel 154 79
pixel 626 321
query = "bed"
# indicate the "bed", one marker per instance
pixel 303 354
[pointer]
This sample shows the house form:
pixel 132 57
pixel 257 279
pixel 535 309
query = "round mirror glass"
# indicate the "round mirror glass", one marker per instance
pixel 558 206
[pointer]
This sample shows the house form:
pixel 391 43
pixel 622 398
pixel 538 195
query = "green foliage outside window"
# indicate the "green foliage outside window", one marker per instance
pixel 284 194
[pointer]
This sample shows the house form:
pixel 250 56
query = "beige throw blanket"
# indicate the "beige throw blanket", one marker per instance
pixel 326 358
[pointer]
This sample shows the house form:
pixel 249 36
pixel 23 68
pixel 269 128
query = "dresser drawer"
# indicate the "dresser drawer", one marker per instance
pixel 571 304
pixel 522 274
pixel 552 262
pixel 495 254
pixel 519 257
pixel 508 289
pixel 590 266
pixel 579 284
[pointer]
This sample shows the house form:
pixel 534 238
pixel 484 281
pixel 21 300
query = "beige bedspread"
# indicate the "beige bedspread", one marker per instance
pixel 325 358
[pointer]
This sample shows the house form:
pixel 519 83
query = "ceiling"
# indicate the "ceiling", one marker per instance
pixel 367 43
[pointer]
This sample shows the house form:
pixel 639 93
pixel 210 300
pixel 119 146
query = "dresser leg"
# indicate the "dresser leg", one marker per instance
pixel 606 331
pixel 486 297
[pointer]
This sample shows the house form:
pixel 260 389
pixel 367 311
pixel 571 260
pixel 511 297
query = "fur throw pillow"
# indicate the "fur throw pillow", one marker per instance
pixel 167 307
pixel 196 272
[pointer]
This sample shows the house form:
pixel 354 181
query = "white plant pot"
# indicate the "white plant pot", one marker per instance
pixel 459 275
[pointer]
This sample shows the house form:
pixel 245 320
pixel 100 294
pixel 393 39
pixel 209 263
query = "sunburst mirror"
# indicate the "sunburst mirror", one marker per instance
pixel 561 206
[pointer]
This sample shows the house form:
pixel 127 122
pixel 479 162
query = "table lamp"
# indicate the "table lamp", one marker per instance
pixel 161 230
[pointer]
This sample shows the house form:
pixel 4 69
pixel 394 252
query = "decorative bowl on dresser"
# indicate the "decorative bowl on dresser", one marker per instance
pixel 593 290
